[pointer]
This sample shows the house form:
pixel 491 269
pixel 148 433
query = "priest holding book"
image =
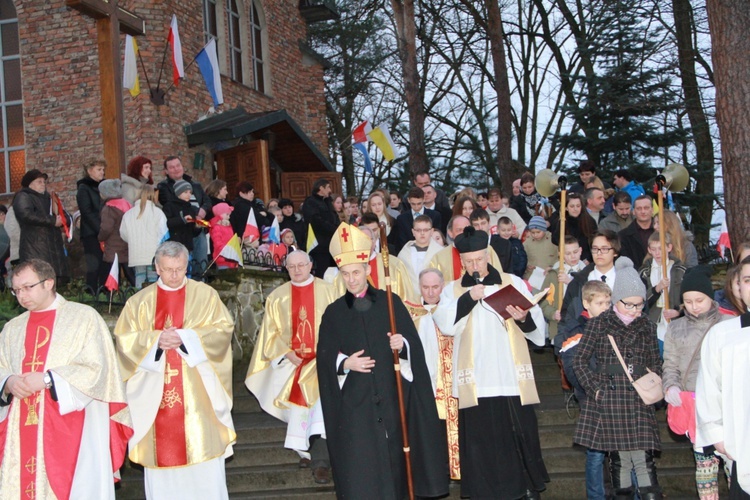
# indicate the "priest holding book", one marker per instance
pixel 492 376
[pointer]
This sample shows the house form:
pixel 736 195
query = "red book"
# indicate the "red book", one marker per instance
pixel 510 296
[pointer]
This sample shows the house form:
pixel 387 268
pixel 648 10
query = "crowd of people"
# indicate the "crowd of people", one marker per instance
pixel 324 356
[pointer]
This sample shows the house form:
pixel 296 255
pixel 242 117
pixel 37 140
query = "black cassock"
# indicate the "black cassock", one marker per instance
pixel 362 418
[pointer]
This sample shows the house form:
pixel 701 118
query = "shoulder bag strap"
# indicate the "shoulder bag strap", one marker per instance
pixel 619 356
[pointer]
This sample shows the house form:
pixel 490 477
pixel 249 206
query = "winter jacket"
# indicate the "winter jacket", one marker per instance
pixel 614 417
pixel 180 230
pixel 40 238
pixel 683 339
pixel 242 207
pixel 631 245
pixel 541 253
pixel 14 233
pixel 675 283
pixel 320 214
pixel 131 188
pixel 90 206
pixel 109 233
pixel 615 223
pixel 572 228
pixel 519 259
pixel 143 234
pixel 199 198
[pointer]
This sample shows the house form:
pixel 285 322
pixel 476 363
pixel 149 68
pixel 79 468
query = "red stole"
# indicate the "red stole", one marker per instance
pixel 169 425
pixel 303 334
pixel 374 271
pixel 457 266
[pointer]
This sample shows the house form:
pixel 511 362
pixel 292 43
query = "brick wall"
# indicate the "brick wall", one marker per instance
pixel 62 97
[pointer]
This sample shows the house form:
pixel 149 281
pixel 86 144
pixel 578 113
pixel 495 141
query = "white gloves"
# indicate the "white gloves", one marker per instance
pixel 673 396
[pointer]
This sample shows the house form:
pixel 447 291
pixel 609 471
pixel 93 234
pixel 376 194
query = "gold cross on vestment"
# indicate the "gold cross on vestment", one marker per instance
pixel 31 465
pixel 169 374
pixel 31 491
pixel 34 363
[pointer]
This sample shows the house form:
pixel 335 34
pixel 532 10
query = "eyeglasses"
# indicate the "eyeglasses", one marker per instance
pixel 294 267
pixel 24 289
pixel 174 272
pixel 630 306
pixel 600 250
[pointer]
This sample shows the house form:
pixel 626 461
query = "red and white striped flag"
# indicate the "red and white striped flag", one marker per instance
pixel 178 70
pixel 113 279
pixel 724 242
pixel 252 232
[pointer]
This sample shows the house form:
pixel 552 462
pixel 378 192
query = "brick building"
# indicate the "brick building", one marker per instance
pixel 271 129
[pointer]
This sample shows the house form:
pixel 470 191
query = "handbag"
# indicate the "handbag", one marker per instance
pixel 648 386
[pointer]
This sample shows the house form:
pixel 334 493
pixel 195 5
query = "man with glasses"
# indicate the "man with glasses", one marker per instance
pixel 605 247
pixel 283 369
pixel 417 254
pixel 64 421
pixel 174 345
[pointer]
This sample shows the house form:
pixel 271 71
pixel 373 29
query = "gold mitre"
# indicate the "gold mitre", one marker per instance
pixel 350 245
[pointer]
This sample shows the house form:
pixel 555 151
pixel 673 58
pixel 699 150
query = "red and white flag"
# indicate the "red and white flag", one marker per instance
pixel 252 232
pixel 113 279
pixel 178 70
pixel 359 134
pixel 724 242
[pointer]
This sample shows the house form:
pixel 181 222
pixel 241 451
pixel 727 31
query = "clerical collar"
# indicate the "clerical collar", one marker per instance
pixel 54 305
pixel 304 283
pixel 429 307
pixel 421 249
pixel 493 278
pixel 161 285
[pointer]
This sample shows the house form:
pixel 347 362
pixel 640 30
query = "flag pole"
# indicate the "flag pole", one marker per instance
pixel 109 311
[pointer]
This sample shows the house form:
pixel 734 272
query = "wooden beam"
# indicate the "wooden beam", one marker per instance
pixel 130 23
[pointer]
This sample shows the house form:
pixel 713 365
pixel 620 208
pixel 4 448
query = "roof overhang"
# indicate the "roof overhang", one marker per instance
pixel 290 147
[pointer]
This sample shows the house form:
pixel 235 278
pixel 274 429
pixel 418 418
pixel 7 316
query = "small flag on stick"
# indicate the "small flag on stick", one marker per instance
pixel 232 250
pixel 113 279
pixel 130 70
pixel 382 139
pixel 312 241
pixel 252 233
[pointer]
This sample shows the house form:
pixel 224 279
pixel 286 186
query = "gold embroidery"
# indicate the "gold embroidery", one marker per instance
pixel 304 330
pixel 169 373
pixel 170 399
pixel 31 465
pixel 32 418
pixel 34 363
pixel 31 491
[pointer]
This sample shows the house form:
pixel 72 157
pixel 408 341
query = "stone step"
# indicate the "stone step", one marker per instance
pixel 573 458
pixel 268 453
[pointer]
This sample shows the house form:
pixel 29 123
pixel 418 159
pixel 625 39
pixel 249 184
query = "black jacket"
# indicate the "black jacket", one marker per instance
pixel 405 223
pixel 166 193
pixel 631 245
pixel 320 214
pixel 179 229
pixel 504 251
pixel 238 217
pixel 90 205
pixel 40 238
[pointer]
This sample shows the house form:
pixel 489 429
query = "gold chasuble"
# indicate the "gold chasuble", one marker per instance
pixel 448 262
pixel 181 413
pixel 293 314
pixel 447 405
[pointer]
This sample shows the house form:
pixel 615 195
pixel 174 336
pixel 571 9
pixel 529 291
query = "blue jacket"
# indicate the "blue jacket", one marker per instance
pixel 634 190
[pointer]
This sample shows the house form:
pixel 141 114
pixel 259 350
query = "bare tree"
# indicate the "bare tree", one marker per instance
pixel 728 21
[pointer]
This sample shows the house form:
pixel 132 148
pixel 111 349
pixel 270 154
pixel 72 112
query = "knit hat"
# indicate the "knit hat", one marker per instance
pixel 627 281
pixel 698 279
pixel 180 187
pixel 471 240
pixel 110 188
pixel 222 208
pixel 537 222
pixel 31 176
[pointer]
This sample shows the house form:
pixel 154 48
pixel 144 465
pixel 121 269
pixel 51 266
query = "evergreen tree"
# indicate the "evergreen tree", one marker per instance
pixel 624 105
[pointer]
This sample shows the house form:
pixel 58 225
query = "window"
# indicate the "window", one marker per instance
pixel 235 41
pixel 210 29
pixel 12 154
pixel 256 42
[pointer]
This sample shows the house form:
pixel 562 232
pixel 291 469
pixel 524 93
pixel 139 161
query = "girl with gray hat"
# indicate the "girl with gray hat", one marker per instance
pixel 619 422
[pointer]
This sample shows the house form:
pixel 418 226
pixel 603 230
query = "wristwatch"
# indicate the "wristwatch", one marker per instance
pixel 47 380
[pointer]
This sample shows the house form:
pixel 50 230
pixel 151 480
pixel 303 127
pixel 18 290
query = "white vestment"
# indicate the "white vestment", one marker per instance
pixel 494 367
pixel 428 336
pixel 722 397
pixel 415 266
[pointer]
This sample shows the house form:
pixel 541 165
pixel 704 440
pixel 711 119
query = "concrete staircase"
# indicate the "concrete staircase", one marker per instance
pixel 262 468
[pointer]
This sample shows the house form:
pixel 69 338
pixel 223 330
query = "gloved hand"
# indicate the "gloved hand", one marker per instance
pixel 673 396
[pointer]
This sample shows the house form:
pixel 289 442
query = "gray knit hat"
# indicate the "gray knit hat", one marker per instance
pixel 537 222
pixel 110 189
pixel 627 281
pixel 181 186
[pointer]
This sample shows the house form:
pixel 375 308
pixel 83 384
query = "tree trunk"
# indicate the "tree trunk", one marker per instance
pixel 728 21
pixel 704 146
pixel 504 135
pixel 403 11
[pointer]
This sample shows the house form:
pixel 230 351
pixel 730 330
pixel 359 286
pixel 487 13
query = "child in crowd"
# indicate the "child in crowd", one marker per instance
pixel 482 200
pixel 221 232
pixel 113 210
pixel 540 249
pixel 729 298
pixel 652 274
pixel 616 420
pixel 682 359
pixel 555 279
pixel 597 298
pixel 505 230
pixel 181 215
pixel 144 228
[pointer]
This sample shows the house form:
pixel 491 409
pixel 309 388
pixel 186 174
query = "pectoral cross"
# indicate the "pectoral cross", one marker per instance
pixel 169 374
pixel 34 363
pixel 111 19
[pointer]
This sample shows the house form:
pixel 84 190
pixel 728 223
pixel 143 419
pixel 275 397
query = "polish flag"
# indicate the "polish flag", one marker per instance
pixel 178 70
pixel 113 279
pixel 724 242
pixel 359 134
pixel 252 233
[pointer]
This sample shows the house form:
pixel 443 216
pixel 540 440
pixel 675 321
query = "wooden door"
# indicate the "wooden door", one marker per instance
pixel 248 162
pixel 298 185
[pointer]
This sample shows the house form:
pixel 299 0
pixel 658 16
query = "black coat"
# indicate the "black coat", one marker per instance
pixel 238 217
pixel 320 214
pixel 405 223
pixel 631 245
pixel 40 238
pixel 616 419
pixel 180 230
pixel 573 228
pixel 90 205
pixel 362 418
pixel 504 251
pixel 166 193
